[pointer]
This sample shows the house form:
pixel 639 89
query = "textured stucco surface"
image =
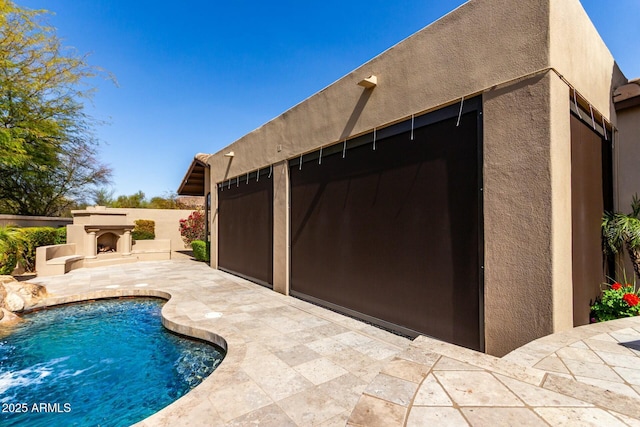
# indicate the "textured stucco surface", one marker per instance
pixel 578 53
pixel 281 228
pixel 560 221
pixel 517 205
pixel 167 223
pixel 213 250
pixel 527 212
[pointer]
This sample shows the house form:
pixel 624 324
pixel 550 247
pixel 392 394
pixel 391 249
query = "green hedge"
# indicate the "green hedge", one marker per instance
pixel 18 245
pixel 9 246
pixel 8 261
pixel 31 238
pixel 145 229
pixel 61 234
pixel 142 235
pixel 200 250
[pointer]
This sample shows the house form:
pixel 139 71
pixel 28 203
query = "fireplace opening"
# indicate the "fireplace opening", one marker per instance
pixel 107 243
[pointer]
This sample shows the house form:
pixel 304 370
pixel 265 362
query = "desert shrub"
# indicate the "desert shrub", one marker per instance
pixel 61 236
pixel 192 228
pixel 145 229
pixel 200 250
pixel 31 238
pixel 142 235
pixel 9 247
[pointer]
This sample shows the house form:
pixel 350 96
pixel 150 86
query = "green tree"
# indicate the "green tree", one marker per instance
pixel 48 157
pixel 102 196
pixel 136 200
pixel 168 201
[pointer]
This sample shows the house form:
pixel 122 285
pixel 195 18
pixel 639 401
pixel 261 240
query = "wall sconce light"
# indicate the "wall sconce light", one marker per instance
pixel 369 82
pixel 229 154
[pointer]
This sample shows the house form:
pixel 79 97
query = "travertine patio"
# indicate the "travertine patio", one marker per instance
pixel 292 363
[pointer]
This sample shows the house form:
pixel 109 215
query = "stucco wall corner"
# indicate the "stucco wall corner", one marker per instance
pixel 561 214
pixel 517 214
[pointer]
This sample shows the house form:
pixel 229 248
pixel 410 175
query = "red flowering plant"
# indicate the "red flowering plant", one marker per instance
pixel 192 227
pixel 617 301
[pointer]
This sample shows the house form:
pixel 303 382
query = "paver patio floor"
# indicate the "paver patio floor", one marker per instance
pixel 291 363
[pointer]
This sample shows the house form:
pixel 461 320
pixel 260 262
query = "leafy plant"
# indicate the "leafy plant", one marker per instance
pixel 622 231
pixel 145 229
pixel 30 239
pixel 61 236
pixel 192 228
pixel 617 301
pixel 9 246
pixel 18 245
pixel 200 250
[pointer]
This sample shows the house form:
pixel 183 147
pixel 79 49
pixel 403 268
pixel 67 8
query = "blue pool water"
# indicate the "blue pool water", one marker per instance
pixel 107 363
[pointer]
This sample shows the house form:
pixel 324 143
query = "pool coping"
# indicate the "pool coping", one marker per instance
pixel 191 332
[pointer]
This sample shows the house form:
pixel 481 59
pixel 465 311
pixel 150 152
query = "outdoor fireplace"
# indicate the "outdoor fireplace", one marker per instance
pixel 100 237
pixel 107 239
pixel 101 233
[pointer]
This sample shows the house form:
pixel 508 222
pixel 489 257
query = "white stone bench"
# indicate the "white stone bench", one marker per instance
pixel 57 259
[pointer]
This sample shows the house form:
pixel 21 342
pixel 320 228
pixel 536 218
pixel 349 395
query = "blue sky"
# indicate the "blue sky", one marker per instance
pixel 195 75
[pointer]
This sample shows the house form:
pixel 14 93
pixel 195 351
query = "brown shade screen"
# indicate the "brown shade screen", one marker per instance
pixel 245 228
pixel 391 235
pixel 591 195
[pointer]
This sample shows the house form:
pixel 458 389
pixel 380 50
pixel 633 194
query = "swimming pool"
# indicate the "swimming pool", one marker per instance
pixel 107 363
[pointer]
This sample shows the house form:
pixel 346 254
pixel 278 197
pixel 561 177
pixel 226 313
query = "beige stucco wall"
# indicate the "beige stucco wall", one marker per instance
pixel 579 54
pixel 213 250
pixel 628 157
pixel 527 212
pixel 560 217
pixel 152 250
pixel 166 223
pixel 281 194
pixel 514 54
pixel 76 235
pixel 33 221
pixel 100 215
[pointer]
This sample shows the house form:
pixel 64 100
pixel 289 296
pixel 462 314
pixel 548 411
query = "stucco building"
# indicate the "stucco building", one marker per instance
pixel 451 186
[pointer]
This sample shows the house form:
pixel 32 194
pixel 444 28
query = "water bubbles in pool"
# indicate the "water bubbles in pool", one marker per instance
pixel 112 361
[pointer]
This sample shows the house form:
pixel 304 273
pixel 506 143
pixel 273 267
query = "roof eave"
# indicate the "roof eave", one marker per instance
pixel 193 183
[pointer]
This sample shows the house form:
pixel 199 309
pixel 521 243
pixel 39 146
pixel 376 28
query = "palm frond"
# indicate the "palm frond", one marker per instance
pixel 635 206
pixel 612 234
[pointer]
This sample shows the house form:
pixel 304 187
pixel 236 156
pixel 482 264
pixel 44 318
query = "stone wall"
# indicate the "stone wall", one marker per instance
pixel 33 221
